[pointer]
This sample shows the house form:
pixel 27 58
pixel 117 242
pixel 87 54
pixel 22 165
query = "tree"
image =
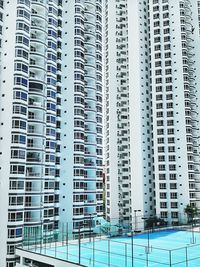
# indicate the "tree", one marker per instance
pixel 154 222
pixel 191 211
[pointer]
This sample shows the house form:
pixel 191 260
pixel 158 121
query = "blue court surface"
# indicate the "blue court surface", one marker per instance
pixel 157 249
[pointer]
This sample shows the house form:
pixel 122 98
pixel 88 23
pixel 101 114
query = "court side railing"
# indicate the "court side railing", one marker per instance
pixel 60 243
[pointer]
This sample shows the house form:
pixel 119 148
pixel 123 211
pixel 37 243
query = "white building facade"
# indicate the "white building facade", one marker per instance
pixel 29 125
pixel 81 171
pixel 152 108
pixel 51 118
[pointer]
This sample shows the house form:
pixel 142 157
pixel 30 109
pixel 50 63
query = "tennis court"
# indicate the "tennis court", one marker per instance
pixel 152 249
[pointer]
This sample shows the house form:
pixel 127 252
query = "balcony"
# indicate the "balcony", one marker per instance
pixel 89 163
pixel 38 23
pixel 34 171
pixel 36 102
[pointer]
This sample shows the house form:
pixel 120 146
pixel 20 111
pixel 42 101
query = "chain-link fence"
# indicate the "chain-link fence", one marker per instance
pixel 100 243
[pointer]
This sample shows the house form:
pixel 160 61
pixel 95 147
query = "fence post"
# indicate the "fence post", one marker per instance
pixel 170 258
pixel 28 234
pixel 62 235
pixel 45 233
pixel 132 247
pixel 50 239
pixel 41 238
pixel 109 252
pixel 90 227
pixel 55 245
pixel 186 256
pixel 100 230
pixel 35 240
pixel 79 245
pixel 67 240
pixel 93 251
pixel 147 259
pixel 126 255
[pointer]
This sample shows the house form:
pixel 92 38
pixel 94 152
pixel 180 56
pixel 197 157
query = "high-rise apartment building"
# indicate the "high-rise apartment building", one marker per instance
pixel 30 129
pixel 50 118
pixel 152 108
pixel 82 114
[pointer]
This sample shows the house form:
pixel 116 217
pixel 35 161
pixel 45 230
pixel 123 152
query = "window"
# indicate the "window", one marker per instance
pixel 158 88
pixel 160 123
pixel 14 233
pixel 169 97
pixel 20 81
pixel 169 105
pixel 171 149
pixel 168 63
pixel 174 205
pixel 161 149
pixel 170 122
pixel 20 95
pixel 161 158
pixel 173 186
pixel 166 23
pixel 171 140
pixel 52 33
pixel 156 23
pixel 168 80
pixel 163 205
pixel 161 167
pixel 51 106
pixel 167 39
pixel 160 131
pixel 159 97
pixel 172 167
pixel 173 195
pixel 172 158
pixel 159 106
pixel 158 72
pixel 15 216
pixel 158 63
pixel 157 55
pixel 156 31
pixel 167 46
pixel 157 40
pixel 17 169
pixel 21 53
pixel 160 140
pixel 51 81
pixel 162 176
pixel 165 15
pixel 162 186
pixel 170 131
pixel 18 154
pixel 19 124
pixel 166 31
pixel 163 214
pixel 156 8
pixel 16 185
pixel 174 215
pixel 23 13
pixel 18 139
pixel 168 55
pixel 20 39
pixel 52 57
pixel 19 109
pixel 172 176
pixel 23 26
pixel 159 114
pixel 10 250
pixel 170 113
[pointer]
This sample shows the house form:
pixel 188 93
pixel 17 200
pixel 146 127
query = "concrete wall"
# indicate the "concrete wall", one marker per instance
pixel 42 259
